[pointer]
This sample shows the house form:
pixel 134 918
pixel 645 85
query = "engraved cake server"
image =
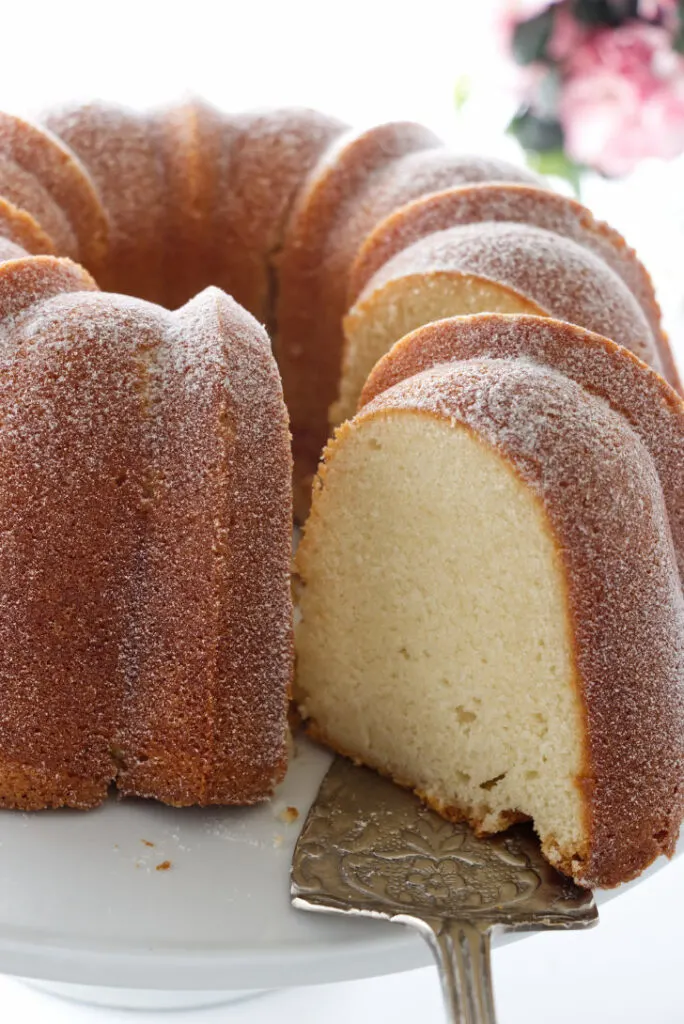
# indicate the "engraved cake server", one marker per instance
pixel 370 848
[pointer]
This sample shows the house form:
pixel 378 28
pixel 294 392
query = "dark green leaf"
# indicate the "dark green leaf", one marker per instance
pixel 605 12
pixel 678 41
pixel 536 134
pixel 531 37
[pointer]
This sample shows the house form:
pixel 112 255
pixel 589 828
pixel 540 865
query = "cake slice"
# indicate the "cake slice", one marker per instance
pixel 489 267
pixel 518 204
pixel 491 611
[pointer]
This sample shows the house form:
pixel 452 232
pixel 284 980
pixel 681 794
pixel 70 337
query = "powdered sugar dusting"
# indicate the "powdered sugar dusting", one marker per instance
pixel 564 279
pixel 509 203
pixel 149 520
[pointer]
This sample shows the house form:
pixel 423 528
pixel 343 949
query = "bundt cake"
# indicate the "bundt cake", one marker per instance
pixel 145 517
pixel 145 508
pixel 491 609
pixel 146 619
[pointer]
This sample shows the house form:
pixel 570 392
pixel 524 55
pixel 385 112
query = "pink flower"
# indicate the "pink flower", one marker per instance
pixel 568 34
pixel 654 10
pixel 623 98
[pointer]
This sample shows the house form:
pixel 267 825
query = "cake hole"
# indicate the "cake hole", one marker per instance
pixel 374 445
pixel 461 778
pixel 531 775
pixel 404 654
pixel 464 716
pixel 118 757
pixel 121 478
pixel 491 783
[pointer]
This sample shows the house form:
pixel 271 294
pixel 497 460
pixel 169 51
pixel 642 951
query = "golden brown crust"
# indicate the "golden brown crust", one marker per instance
pixel 118 148
pixel 20 228
pixel 31 279
pixel 275 153
pixel 310 290
pixel 175 634
pixel 514 203
pixel 33 788
pixel 194 142
pixel 195 196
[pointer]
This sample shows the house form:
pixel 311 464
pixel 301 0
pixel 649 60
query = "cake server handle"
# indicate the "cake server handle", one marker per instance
pixel 462 950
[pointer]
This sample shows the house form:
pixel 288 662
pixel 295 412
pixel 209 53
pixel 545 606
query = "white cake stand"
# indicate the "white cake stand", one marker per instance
pixel 140 905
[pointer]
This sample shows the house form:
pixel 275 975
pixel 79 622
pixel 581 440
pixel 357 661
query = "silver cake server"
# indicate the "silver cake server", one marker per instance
pixel 372 849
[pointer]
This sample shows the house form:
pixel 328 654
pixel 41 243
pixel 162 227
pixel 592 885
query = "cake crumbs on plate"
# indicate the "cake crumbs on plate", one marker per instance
pixel 288 815
pixel 164 866
pixel 146 842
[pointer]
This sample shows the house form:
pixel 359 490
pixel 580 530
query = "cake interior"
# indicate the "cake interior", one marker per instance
pixel 375 323
pixel 434 642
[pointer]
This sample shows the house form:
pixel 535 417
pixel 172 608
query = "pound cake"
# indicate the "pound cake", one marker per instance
pixel 146 470
pixel 491 607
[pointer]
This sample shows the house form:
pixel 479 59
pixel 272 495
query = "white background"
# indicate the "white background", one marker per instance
pixel 365 62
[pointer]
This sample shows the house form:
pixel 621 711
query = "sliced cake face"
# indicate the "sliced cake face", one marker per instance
pixel 489 267
pixel 492 613
pixel 403 304
pixel 416 652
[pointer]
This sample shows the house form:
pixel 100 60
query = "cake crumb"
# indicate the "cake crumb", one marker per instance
pixel 289 815
pixel 278 840
pixel 164 866
pixel 146 842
